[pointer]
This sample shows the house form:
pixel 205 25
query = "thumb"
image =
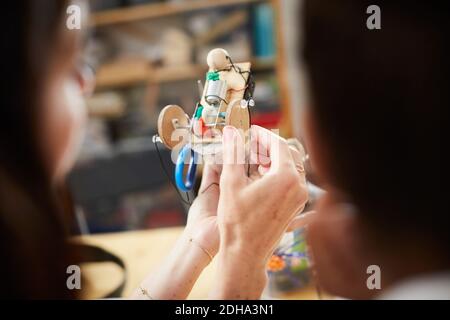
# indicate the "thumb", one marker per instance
pixel 233 155
pixel 301 220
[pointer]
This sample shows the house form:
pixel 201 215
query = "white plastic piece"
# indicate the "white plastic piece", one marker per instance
pixel 209 113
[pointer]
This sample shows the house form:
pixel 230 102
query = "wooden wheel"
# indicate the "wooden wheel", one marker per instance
pixel 172 118
pixel 238 116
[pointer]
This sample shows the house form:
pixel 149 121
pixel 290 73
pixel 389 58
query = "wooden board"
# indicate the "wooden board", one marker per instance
pixel 238 116
pixel 158 10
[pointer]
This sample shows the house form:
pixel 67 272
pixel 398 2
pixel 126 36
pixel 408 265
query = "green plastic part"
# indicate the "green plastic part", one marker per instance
pixel 212 75
pixel 199 111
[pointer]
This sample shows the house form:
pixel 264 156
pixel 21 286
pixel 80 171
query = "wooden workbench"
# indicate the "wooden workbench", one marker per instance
pixel 142 251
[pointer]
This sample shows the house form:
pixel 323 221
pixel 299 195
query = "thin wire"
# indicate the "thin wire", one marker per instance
pixel 212 184
pixel 191 121
pixel 167 174
pixel 237 69
pixel 222 99
pixel 249 140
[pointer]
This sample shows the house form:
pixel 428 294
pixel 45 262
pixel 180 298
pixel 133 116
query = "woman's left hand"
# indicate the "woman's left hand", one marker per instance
pixel 179 271
pixel 202 218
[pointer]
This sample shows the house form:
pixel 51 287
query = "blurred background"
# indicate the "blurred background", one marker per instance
pixel 147 54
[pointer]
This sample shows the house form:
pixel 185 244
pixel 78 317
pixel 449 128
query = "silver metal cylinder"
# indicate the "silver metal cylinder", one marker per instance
pixel 216 92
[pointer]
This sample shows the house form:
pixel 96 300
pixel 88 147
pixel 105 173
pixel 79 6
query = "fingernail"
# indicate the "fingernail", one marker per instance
pixel 228 133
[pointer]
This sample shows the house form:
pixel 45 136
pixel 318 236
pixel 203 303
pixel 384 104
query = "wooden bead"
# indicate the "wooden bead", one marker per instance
pixel 217 59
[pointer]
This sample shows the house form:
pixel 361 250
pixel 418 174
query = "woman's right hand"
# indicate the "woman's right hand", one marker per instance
pixel 254 212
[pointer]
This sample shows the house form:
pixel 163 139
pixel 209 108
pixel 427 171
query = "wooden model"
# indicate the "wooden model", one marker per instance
pixel 225 100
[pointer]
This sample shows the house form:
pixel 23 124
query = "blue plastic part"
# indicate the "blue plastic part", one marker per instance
pixel 188 183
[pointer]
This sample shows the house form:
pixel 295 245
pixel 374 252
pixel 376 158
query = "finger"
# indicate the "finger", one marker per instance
pixel 259 155
pixel 210 176
pixel 260 163
pixel 295 144
pixel 298 161
pixel 277 148
pixel 301 221
pixel 260 159
pixel 298 155
pixel 233 155
pixel 253 172
pixel 262 170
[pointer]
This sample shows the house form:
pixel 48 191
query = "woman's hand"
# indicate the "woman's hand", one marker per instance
pixel 254 212
pixel 199 241
pixel 202 217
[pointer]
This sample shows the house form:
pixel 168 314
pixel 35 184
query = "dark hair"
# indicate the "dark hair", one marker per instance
pixel 380 100
pixel 34 253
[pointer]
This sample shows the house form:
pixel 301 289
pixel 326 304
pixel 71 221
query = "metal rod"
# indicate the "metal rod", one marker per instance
pixel 200 88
